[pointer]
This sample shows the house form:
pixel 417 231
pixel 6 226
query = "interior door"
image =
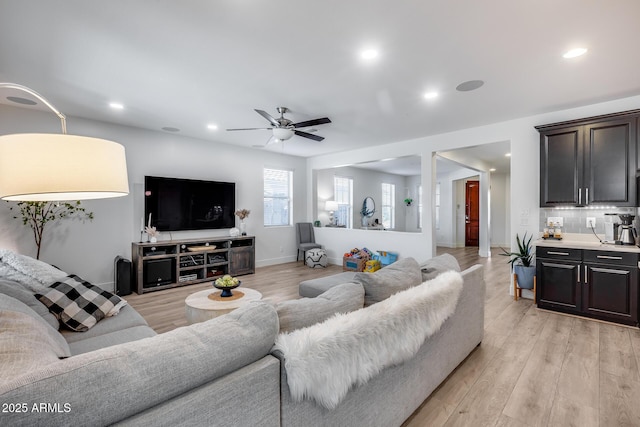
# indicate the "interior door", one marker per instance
pixel 472 213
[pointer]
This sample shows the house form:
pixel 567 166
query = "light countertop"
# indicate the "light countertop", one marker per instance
pixel 580 243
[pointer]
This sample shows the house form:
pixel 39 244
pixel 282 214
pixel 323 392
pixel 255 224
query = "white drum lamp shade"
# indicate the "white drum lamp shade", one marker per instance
pixel 57 167
pixel 282 134
pixel 37 167
pixel 331 206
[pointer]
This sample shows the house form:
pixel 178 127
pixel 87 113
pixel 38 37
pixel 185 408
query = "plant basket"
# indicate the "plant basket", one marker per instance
pixel 525 275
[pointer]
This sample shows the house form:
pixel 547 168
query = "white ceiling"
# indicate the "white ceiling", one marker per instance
pixel 191 63
pixel 405 166
pixel 477 157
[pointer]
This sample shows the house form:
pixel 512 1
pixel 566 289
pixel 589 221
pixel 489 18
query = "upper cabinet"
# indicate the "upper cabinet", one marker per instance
pixel 590 161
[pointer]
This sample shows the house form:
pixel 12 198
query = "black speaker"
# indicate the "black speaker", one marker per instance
pixel 159 272
pixel 122 276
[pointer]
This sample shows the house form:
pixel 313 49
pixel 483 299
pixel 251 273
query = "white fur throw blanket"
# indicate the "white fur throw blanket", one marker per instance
pixel 31 273
pixel 325 360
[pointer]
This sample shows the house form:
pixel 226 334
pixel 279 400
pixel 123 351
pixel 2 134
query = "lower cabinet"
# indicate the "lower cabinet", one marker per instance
pixel 558 284
pixel 242 256
pixel 598 284
pixel 172 263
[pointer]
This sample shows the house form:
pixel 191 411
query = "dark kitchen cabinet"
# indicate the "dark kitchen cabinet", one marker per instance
pixel 558 279
pixel 590 161
pixel 592 283
pixel 610 290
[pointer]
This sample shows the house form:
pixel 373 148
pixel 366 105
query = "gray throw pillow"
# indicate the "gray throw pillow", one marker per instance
pixel 435 266
pixel 11 331
pixel 296 314
pixel 17 291
pixel 25 346
pixel 402 274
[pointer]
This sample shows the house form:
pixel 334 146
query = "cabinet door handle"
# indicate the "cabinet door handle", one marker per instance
pixel 557 253
pixel 578 274
pixel 580 195
pixel 586 196
pixel 608 257
pixel 586 280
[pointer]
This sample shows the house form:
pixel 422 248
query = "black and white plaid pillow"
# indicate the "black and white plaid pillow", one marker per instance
pixel 78 304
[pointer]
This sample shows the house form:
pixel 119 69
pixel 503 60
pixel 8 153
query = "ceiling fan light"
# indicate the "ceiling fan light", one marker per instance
pixel 282 134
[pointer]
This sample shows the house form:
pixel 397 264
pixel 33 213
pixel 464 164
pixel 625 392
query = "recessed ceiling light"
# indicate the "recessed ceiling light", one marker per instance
pixel 212 127
pixel 170 129
pixel 508 155
pixel 116 106
pixel 369 54
pixel 573 53
pixel 469 85
pixel 492 170
pixel 431 95
pixel 19 100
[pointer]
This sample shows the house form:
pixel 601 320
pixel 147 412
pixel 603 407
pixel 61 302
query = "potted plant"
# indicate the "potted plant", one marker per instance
pixel 522 262
pixel 408 201
pixel 38 214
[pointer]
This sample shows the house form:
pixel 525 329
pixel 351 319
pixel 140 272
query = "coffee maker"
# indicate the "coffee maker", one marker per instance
pixel 627 234
pixel 611 226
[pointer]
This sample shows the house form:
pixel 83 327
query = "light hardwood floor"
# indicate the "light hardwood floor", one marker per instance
pixel 534 368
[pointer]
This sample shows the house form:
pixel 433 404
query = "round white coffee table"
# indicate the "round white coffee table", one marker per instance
pixel 200 307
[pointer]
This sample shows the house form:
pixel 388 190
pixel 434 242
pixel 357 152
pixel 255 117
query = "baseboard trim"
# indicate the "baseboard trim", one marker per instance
pixel 275 261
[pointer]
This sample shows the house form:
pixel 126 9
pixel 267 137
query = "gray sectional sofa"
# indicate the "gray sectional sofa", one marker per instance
pixel 228 371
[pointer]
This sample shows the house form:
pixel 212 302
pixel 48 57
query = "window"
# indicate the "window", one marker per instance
pixel 388 205
pixel 343 194
pixel 278 187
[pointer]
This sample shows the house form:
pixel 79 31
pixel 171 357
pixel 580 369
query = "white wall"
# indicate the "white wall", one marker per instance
pixel 524 178
pixel 411 213
pixel 89 249
pixel 366 183
pixel 452 207
pixel 500 210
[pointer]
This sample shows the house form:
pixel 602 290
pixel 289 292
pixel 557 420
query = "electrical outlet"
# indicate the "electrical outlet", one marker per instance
pixel 591 222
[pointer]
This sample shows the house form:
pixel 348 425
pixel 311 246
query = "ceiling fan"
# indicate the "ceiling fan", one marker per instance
pixel 283 128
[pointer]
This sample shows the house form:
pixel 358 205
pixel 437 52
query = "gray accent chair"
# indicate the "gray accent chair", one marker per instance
pixel 305 238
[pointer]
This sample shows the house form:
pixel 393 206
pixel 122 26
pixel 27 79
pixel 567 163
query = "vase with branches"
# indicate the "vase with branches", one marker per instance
pixel 242 214
pixel 38 214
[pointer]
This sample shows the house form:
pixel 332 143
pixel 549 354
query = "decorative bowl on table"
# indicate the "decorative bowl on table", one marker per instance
pixel 225 284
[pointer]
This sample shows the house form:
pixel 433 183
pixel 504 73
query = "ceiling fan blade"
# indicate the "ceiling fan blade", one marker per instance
pixel 268 117
pixel 308 135
pixel 269 141
pixel 313 122
pixel 252 129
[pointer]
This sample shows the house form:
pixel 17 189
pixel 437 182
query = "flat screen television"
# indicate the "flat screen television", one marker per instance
pixel 188 204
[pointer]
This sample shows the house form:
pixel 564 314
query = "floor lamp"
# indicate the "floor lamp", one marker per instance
pixel 57 167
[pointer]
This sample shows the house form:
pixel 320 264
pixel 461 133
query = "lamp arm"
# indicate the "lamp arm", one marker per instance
pixel 63 119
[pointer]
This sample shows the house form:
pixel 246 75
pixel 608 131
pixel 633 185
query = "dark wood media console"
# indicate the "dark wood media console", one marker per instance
pixel 168 264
